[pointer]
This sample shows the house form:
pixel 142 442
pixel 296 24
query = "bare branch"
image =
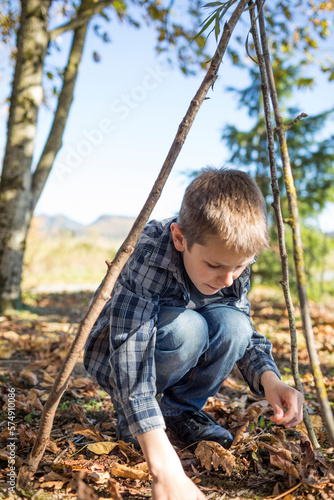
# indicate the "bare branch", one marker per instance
pixel 297 240
pixel 280 224
pixel 299 117
pixel 81 19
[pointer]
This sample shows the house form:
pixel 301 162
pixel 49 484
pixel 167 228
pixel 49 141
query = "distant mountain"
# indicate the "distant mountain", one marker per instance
pixel 54 224
pixel 110 227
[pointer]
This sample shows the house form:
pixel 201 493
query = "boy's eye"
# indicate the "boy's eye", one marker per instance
pixel 212 266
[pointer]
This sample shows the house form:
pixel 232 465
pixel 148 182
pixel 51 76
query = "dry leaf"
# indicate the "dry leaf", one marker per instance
pixel 53 476
pixel 102 447
pixel 283 460
pixel 240 435
pixel 78 412
pixel 56 485
pixel 85 492
pixel 52 446
pixel 10 336
pixel 7 350
pixel 26 435
pixel 317 424
pixel 113 490
pixel 29 376
pixel 89 432
pixel 120 470
pixel 213 454
pixel 99 477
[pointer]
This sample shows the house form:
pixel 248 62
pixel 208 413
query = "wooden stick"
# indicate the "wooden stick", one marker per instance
pixel 296 234
pixel 280 224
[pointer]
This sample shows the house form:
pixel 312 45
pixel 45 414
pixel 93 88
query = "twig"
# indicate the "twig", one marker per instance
pixel 297 240
pixel 28 470
pixel 285 493
pixel 299 117
pixel 280 226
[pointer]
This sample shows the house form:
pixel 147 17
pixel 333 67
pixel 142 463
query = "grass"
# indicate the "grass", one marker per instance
pixel 64 259
pixel 53 261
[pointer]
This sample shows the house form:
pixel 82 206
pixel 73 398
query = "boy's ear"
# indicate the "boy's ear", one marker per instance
pixel 178 237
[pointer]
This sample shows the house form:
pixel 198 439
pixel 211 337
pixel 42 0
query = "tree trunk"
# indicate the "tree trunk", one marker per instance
pixel 15 187
pixel 16 214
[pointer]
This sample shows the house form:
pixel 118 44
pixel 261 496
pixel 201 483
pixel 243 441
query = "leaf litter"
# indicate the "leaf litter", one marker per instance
pixel 84 460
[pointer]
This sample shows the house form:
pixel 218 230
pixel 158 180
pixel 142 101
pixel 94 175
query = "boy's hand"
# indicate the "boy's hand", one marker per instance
pixel 286 402
pixel 169 479
pixel 175 487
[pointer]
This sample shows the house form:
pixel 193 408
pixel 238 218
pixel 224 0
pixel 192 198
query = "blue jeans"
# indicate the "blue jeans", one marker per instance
pixel 195 352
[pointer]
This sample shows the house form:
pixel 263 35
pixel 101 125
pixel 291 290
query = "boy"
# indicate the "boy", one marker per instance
pixel 179 319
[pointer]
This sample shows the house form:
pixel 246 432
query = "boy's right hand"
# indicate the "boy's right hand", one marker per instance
pixel 175 487
pixel 169 479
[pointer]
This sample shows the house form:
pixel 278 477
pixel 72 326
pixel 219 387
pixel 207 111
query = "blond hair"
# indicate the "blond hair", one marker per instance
pixel 227 204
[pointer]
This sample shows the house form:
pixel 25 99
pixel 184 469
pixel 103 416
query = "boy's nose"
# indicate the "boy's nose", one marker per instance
pixel 225 280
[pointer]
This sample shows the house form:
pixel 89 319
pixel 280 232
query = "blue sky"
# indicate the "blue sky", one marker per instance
pixel 124 116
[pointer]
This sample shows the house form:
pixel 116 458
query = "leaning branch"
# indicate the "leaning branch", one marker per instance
pixel 81 19
pixel 28 470
pixel 297 240
pixel 280 223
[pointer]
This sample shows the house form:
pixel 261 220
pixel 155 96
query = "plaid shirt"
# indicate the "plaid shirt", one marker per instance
pixel 119 352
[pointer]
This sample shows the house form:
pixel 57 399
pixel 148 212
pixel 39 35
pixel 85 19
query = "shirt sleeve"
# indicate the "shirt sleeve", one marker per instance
pixel 133 314
pixel 258 356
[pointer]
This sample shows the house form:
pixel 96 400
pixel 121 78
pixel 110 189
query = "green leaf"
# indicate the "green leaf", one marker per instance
pixel 217 27
pixel 213 4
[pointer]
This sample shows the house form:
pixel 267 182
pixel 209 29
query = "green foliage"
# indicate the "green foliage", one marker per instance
pixel 311 151
pixel 318 257
pixel 299 29
pixel 215 17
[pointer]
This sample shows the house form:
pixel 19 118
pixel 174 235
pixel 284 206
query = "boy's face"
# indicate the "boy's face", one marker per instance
pixel 212 266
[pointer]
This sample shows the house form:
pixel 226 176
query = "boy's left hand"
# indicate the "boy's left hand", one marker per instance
pixel 286 402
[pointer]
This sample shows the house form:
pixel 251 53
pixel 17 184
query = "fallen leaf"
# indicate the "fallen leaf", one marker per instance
pixel 10 336
pixel 213 454
pixel 102 447
pixel 56 485
pixel 280 460
pixel 29 376
pixel 6 350
pixel 80 382
pixel 27 435
pixel 120 470
pixel 317 424
pixel 240 434
pixel 89 432
pixel 99 477
pixel 113 489
pixel 52 446
pixel 85 492
pixel 53 476
pixel 78 412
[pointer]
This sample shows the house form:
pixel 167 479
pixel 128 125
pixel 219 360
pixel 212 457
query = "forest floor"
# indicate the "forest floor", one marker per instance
pixel 264 462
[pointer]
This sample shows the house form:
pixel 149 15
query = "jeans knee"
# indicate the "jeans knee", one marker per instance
pixel 182 329
pixel 237 328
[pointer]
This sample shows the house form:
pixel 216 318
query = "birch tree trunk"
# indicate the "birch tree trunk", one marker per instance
pixel 15 186
pixel 20 189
